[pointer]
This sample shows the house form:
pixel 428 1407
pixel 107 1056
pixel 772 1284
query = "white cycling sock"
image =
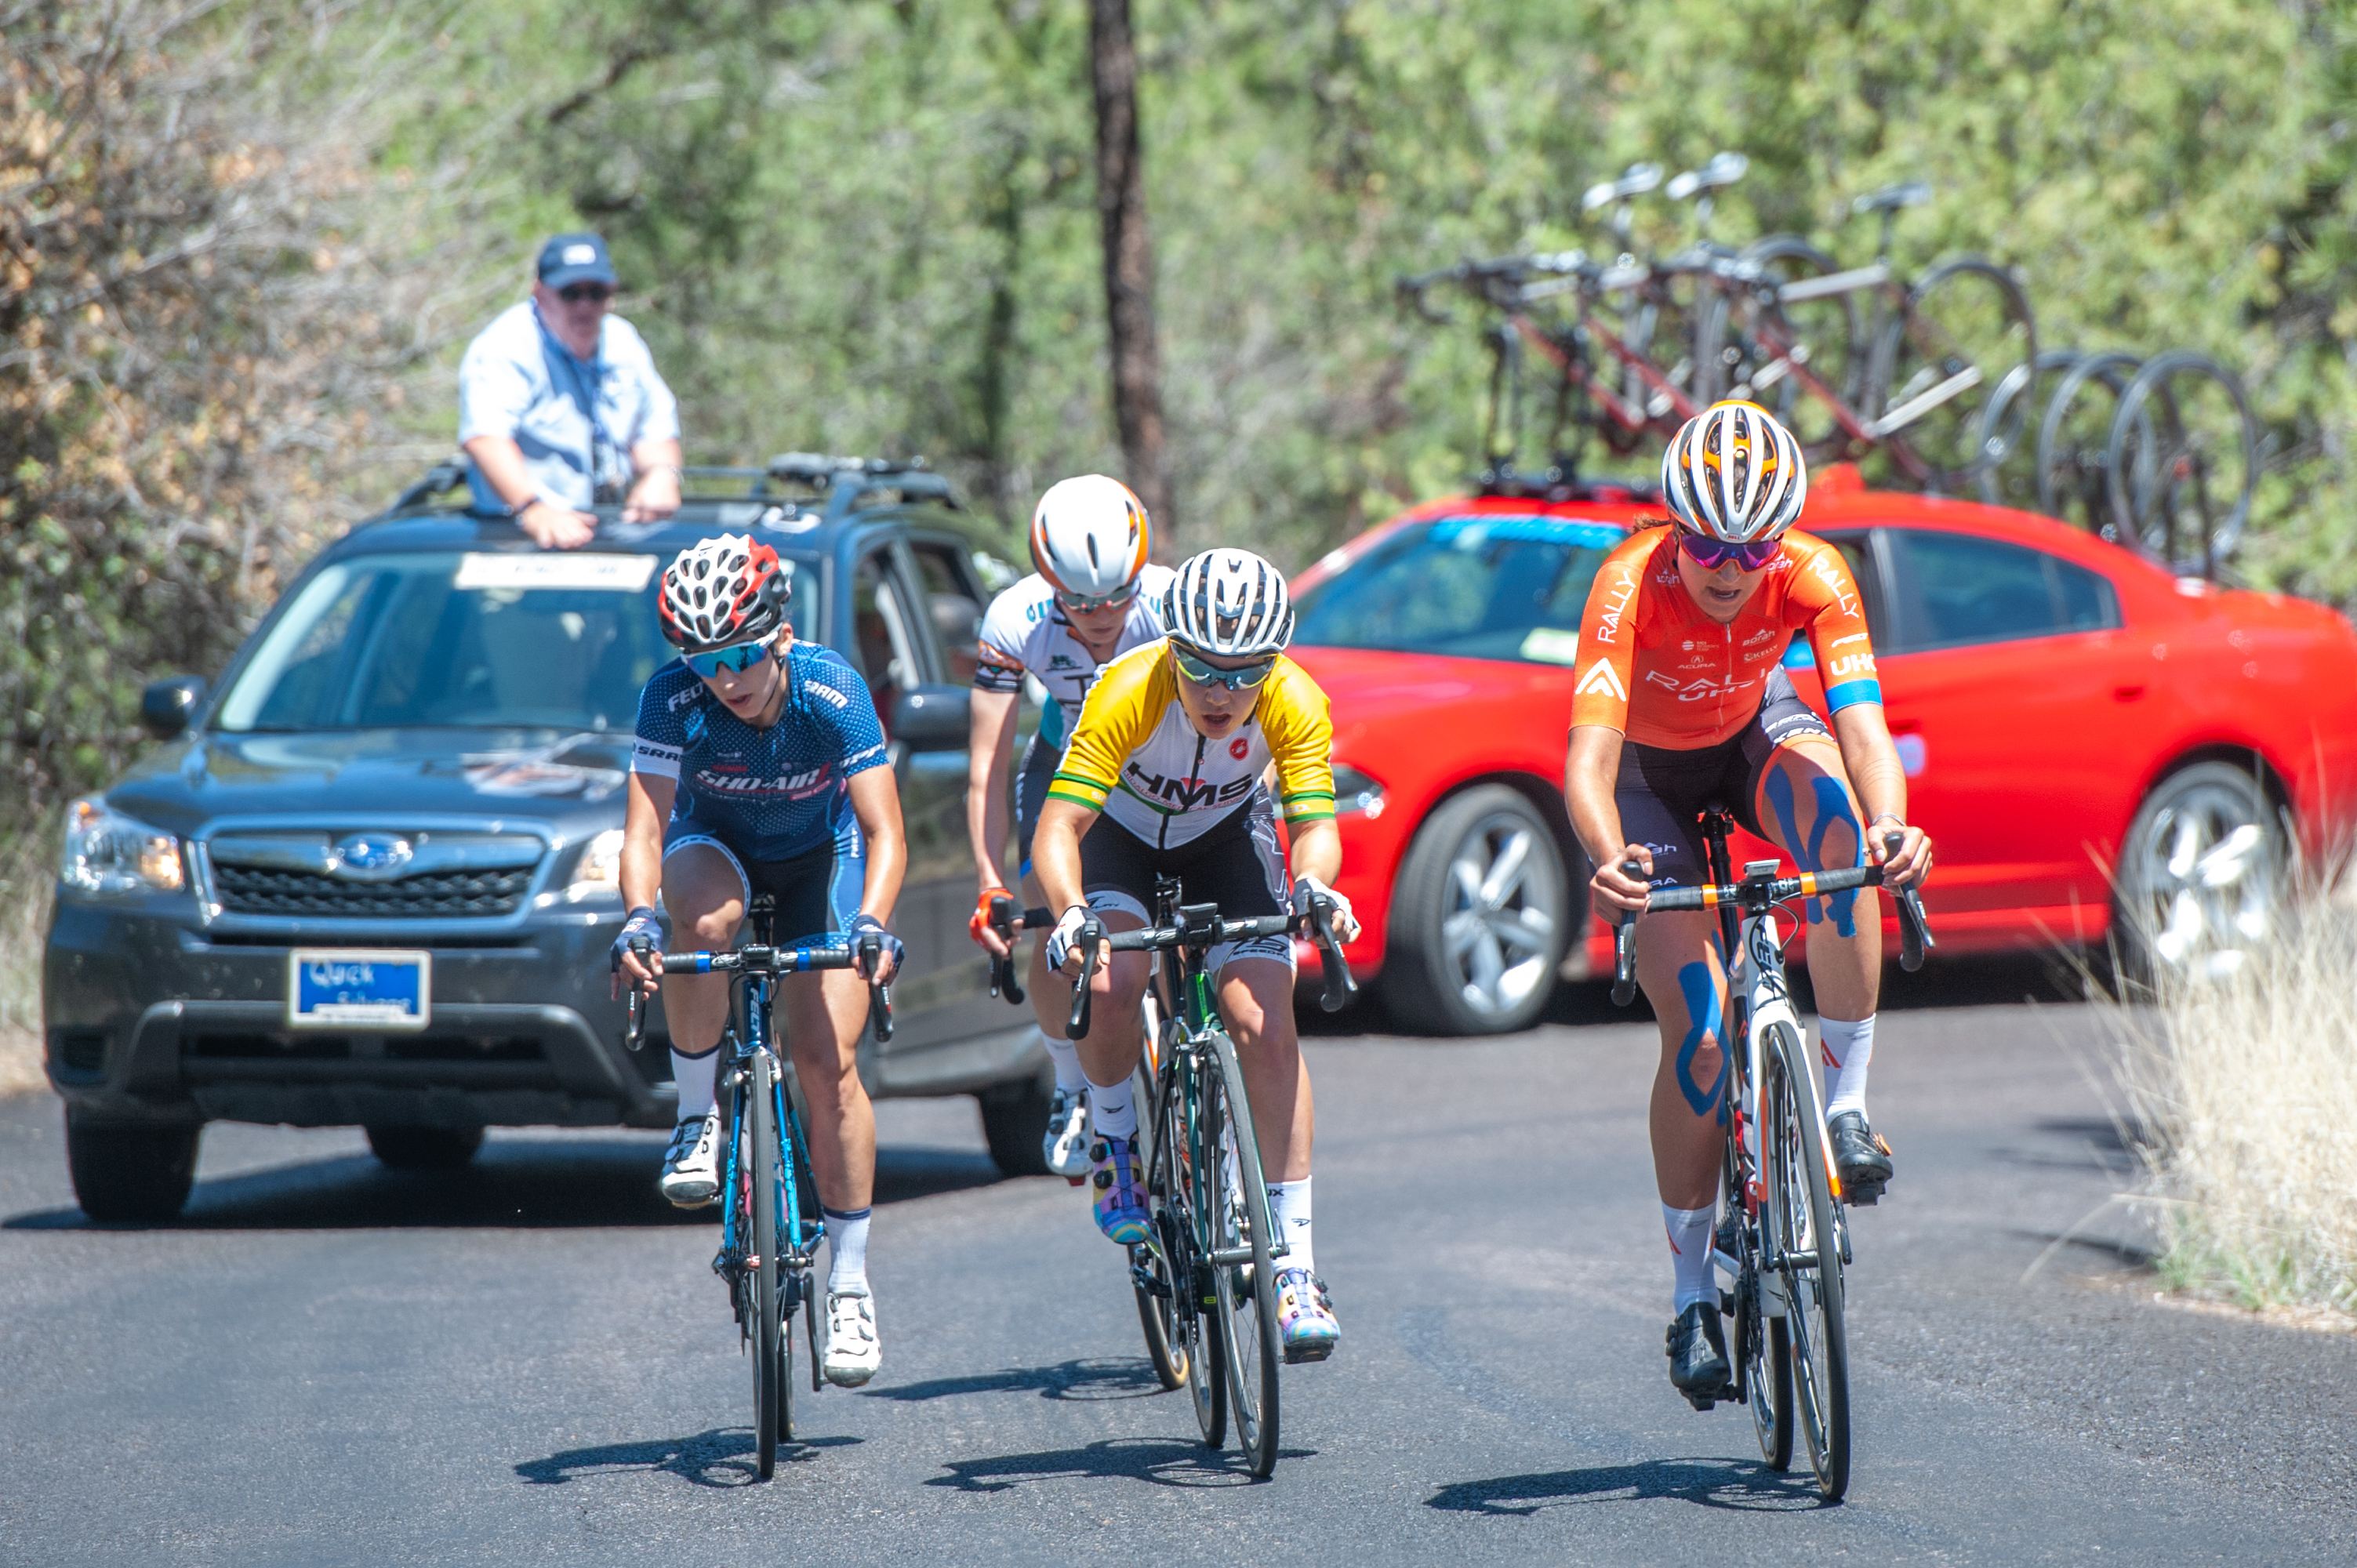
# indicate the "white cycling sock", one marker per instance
pixel 1067 1058
pixel 1110 1111
pixel 1690 1239
pixel 1288 1206
pixel 1847 1049
pixel 693 1074
pixel 846 1239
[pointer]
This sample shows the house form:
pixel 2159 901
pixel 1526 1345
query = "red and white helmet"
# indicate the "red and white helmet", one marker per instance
pixel 1734 473
pixel 724 591
pixel 1089 536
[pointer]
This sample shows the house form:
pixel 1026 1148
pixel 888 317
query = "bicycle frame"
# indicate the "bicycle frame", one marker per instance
pixel 798 1248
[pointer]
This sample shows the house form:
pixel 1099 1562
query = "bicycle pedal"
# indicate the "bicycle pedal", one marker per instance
pixel 1302 1356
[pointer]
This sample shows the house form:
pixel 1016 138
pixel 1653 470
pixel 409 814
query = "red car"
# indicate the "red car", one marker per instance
pixel 2085 734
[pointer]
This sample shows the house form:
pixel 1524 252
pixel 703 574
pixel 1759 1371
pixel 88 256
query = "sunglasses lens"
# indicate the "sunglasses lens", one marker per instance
pixel 585 291
pixel 741 657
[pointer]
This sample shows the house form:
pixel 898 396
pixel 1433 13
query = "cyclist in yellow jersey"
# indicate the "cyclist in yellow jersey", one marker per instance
pixel 1163 777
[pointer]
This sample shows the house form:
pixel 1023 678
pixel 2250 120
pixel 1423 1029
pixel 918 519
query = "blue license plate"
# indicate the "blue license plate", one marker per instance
pixel 351 988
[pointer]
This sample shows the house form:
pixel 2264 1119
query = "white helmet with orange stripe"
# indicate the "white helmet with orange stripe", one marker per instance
pixel 1089 536
pixel 1734 473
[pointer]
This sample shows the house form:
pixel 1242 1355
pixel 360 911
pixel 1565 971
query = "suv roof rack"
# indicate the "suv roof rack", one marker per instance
pixel 1561 484
pixel 846 484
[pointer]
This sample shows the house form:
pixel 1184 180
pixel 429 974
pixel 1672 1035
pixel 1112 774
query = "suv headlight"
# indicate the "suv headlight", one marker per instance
pixel 599 870
pixel 1354 792
pixel 107 853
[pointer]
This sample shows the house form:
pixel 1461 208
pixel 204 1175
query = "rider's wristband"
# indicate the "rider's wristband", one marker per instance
pixel 1890 817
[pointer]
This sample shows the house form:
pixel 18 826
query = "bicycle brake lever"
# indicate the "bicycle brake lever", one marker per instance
pixel 1092 934
pixel 1914 931
pixel 634 1030
pixel 879 996
pixel 1002 969
pixel 1624 948
pixel 1333 968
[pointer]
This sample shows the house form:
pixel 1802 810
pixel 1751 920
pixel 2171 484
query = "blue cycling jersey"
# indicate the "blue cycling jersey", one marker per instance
pixel 768 794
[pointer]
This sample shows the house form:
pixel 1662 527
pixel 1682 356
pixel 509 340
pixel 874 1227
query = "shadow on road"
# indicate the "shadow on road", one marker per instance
pixel 520 1182
pixel 1738 1484
pixel 1165 1461
pixel 1086 1380
pixel 720 1458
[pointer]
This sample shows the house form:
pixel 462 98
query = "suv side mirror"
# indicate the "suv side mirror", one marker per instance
pixel 166 705
pixel 933 718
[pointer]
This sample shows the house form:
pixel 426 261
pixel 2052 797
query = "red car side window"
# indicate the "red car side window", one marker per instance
pixel 1954 590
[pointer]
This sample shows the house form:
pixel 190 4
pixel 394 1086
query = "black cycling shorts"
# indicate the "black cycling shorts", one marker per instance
pixel 1661 793
pixel 1031 781
pixel 1238 865
pixel 816 893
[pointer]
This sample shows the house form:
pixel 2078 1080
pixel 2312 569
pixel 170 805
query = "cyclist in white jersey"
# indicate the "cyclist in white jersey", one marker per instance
pixel 1092 598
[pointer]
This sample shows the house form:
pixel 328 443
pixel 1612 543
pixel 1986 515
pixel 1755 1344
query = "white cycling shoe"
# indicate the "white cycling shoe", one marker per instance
pixel 853 1351
pixel 1066 1145
pixel 690 1167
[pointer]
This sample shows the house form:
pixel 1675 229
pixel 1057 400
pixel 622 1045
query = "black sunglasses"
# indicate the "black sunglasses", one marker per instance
pixel 579 293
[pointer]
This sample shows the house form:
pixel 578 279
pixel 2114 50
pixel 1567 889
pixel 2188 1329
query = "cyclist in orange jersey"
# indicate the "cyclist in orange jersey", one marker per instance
pixel 1681 701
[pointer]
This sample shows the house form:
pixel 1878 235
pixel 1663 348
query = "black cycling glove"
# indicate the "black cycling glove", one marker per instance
pixel 644 921
pixel 894 949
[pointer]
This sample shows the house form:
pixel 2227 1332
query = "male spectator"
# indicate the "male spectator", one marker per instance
pixel 560 406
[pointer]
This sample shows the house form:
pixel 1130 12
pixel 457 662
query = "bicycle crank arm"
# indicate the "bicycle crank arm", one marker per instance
pixel 1916 407
pixel 1140 1276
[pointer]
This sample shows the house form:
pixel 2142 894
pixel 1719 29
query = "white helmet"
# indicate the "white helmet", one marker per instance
pixel 1734 473
pixel 1089 536
pixel 1229 603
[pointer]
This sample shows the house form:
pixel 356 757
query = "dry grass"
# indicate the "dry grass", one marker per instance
pixel 27 883
pixel 2245 1090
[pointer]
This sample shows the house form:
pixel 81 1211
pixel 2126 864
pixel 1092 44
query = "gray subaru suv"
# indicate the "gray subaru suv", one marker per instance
pixel 371 879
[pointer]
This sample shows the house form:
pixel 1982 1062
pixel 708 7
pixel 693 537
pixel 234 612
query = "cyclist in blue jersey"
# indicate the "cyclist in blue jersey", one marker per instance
pixel 760 767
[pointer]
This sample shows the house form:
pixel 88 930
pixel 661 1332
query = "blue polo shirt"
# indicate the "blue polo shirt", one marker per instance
pixel 576 419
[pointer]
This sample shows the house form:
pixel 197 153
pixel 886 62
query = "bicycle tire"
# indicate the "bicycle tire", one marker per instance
pixel 2013 482
pixel 1965 329
pixel 1827 330
pixel 1763 1344
pixel 1247 1317
pixel 1176 1196
pixel 771 1391
pixel 1808 1250
pixel 1159 1303
pixel 2074 441
pixel 2150 482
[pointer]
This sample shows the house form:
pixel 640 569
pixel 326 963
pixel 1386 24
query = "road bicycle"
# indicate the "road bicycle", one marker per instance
pixel 1204 1278
pixel 1782 329
pixel 770 1225
pixel 1783 1240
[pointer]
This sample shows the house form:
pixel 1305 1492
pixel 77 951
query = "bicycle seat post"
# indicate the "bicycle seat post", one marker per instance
pixel 762 916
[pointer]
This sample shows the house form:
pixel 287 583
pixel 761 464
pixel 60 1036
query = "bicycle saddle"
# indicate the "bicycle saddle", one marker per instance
pixel 1723 169
pixel 1913 193
pixel 1635 180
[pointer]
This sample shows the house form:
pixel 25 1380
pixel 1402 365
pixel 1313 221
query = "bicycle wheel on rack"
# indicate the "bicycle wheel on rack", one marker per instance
pixel 1799 1222
pixel 1774 352
pixel 757 1162
pixel 1962 332
pixel 2013 479
pixel 2183 461
pixel 1244 1273
pixel 1179 1197
pixel 2074 440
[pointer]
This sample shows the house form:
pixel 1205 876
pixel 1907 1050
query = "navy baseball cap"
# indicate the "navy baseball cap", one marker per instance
pixel 569 259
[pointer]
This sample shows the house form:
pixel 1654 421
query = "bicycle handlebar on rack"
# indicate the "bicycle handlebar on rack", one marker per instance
pixel 1755 895
pixel 1199 925
pixel 803 958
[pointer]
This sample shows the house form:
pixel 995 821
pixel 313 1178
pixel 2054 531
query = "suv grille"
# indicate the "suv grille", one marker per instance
pixel 253 890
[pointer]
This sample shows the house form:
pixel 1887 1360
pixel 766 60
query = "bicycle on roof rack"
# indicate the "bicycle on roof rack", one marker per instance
pixel 1783 1240
pixel 770 1225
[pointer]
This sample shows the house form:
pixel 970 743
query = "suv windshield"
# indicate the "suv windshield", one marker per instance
pixel 476 641
pixel 1493 586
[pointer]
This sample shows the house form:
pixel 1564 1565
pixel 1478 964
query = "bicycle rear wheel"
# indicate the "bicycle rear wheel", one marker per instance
pixel 1248 1314
pixel 1813 342
pixel 2183 461
pixel 758 1164
pixel 1964 330
pixel 1159 1288
pixel 2013 481
pixel 2074 441
pixel 1799 1215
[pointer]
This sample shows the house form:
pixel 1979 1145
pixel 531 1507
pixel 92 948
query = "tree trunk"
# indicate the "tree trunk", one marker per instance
pixel 1128 261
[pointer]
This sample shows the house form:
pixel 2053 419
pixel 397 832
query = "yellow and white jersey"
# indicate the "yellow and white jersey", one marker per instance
pixel 1135 757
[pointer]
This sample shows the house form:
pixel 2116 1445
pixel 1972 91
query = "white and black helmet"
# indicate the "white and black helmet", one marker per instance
pixel 1734 473
pixel 722 591
pixel 1231 603
pixel 1089 536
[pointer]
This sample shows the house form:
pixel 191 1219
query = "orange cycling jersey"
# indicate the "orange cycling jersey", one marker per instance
pixel 1653 666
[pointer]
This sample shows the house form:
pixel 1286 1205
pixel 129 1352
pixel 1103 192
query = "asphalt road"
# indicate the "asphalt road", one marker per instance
pixel 331 1362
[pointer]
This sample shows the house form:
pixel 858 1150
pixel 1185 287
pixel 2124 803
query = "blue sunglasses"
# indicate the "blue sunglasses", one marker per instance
pixel 736 657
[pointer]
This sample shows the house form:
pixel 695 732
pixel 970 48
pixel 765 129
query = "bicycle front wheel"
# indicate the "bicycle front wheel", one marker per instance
pixel 1245 1275
pixel 757 1159
pixel 1181 1195
pixel 1962 334
pixel 1806 1260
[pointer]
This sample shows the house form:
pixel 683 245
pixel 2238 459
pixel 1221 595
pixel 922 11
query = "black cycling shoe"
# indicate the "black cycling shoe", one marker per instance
pixel 1698 1357
pixel 1863 1159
